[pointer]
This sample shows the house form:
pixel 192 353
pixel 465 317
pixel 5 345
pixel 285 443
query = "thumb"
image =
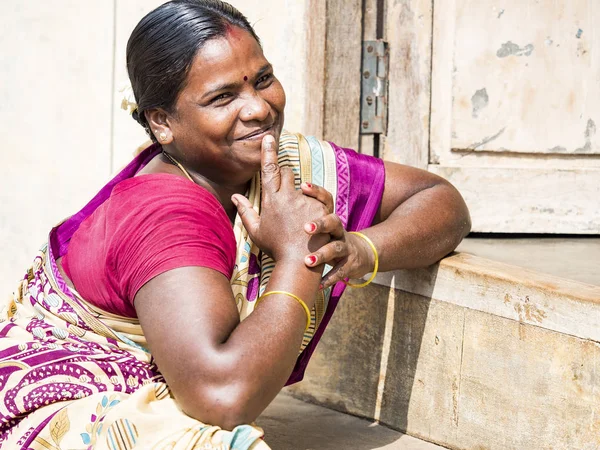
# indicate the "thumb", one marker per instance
pixel 250 218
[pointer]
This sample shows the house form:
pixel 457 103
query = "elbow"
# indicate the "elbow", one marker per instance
pixel 226 407
pixel 464 218
pixel 460 215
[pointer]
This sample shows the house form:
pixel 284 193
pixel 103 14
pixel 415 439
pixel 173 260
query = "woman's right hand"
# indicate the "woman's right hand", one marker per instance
pixel 279 230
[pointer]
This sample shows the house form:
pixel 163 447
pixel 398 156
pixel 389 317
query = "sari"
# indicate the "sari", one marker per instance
pixel 73 376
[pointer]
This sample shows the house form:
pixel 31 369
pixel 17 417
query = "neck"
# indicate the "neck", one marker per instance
pixel 222 191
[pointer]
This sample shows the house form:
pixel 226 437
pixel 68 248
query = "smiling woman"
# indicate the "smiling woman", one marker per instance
pixel 171 310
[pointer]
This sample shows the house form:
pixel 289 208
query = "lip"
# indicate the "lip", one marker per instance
pixel 257 134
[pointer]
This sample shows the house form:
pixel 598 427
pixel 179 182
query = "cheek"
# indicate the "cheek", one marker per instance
pixel 216 124
pixel 276 96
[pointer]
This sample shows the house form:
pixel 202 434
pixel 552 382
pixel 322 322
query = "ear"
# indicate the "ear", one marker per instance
pixel 157 120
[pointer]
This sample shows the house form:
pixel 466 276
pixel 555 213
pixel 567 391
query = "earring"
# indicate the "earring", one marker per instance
pixel 162 136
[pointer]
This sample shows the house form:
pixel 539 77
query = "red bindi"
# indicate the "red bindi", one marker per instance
pixel 245 78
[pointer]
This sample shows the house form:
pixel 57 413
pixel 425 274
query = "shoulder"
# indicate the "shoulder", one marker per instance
pixel 150 206
pixel 163 187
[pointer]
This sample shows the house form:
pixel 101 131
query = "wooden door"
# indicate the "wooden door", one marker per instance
pixel 515 108
pixel 500 97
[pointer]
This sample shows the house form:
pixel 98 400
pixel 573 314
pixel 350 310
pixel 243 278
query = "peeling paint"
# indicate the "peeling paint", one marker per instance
pixel 588 134
pixel 548 41
pixel 579 33
pixel 528 312
pixel 479 101
pixel 590 130
pixel 510 48
pixel 487 140
pixel 501 13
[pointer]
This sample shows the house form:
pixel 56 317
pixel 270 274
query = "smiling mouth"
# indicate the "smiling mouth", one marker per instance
pixel 258 134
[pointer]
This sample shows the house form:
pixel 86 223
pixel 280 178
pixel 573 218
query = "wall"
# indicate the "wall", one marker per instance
pixel 63 130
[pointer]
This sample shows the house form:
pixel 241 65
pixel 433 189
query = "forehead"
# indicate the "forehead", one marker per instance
pixel 226 59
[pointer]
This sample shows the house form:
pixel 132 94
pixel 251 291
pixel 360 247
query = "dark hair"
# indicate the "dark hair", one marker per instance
pixel 162 47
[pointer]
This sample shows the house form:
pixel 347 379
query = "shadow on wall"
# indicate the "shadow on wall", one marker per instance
pixel 366 362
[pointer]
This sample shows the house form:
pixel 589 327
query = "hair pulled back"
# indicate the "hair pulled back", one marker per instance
pixel 163 45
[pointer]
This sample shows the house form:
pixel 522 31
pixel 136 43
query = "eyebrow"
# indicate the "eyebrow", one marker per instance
pixel 227 86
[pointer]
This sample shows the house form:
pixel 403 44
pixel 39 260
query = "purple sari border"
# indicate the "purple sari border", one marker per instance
pixel 361 180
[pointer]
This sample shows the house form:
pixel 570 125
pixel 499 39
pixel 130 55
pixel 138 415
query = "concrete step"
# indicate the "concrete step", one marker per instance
pixel 469 354
pixel 291 424
pixel 574 258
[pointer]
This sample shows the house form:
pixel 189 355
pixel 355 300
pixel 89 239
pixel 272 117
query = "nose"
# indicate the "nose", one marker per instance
pixel 255 108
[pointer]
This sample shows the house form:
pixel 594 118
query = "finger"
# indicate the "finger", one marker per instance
pixel 329 254
pixel 271 175
pixel 249 216
pixel 330 224
pixel 335 275
pixel 287 179
pixel 320 193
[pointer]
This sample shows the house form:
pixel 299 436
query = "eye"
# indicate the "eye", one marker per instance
pixel 264 79
pixel 220 98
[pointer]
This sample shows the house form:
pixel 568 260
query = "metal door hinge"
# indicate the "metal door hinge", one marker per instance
pixel 374 87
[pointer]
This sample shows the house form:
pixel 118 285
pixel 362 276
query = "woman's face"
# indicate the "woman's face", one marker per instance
pixel 230 102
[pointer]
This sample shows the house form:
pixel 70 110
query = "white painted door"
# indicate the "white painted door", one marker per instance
pixel 501 97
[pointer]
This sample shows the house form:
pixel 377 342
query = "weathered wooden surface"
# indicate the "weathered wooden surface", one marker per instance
pixel 562 256
pixel 55 92
pixel 529 200
pixel 532 84
pixel 369 30
pixel 484 382
pixel 483 356
pixel 519 97
pixel 344 370
pixel 314 66
pixel 506 291
pixel 423 370
pixel 342 72
pixel 408 25
pixel 523 387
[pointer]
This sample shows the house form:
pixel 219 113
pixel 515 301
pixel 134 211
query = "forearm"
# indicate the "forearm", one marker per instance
pixel 421 230
pixel 254 363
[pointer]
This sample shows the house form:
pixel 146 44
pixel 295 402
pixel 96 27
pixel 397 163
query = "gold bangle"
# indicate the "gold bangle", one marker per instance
pixel 376 265
pixel 295 297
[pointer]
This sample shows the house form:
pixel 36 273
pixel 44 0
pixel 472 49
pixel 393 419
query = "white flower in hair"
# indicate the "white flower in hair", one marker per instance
pixel 128 103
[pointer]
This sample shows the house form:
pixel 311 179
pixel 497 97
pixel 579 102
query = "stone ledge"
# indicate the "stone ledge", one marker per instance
pixel 469 354
pixel 554 303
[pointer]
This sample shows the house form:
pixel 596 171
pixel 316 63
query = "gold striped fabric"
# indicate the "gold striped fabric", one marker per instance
pixel 312 161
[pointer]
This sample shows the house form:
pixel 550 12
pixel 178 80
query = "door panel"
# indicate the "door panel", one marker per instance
pixel 524 77
pixel 514 108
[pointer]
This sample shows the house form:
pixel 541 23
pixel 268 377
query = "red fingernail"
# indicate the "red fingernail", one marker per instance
pixel 312 226
pixel 309 185
pixel 320 287
pixel 312 259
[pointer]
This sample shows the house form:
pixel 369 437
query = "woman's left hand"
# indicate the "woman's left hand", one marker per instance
pixel 348 254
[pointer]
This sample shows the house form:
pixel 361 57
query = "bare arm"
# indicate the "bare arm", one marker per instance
pixel 421 219
pixel 223 372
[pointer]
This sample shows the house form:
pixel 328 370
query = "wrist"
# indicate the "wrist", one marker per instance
pixel 366 252
pixel 293 276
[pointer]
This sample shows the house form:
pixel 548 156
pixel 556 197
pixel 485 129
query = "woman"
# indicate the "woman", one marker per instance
pixel 197 283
